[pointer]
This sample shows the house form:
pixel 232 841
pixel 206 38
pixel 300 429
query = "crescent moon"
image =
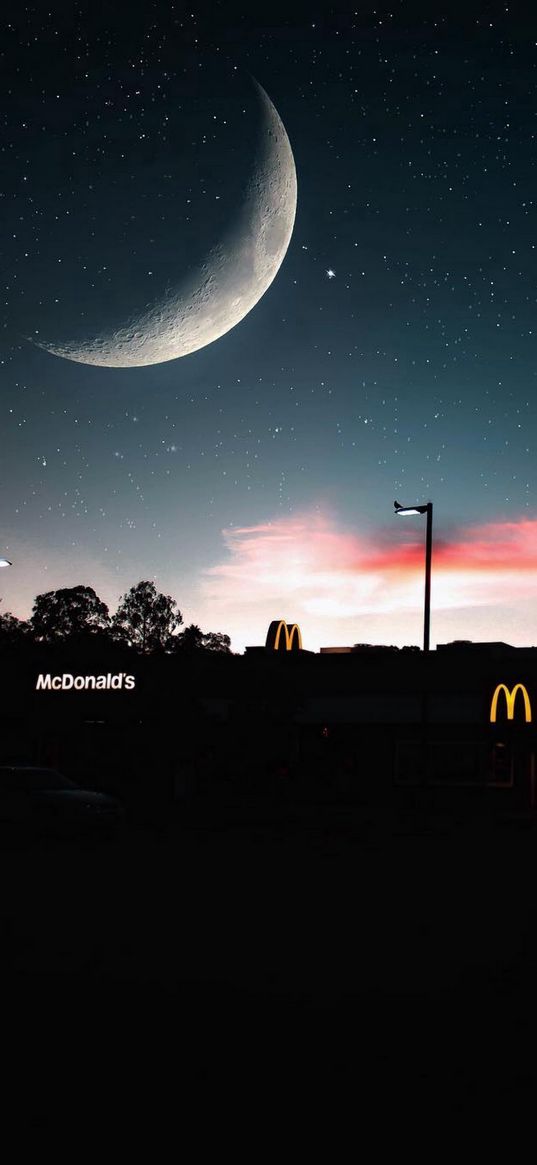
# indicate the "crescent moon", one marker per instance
pixel 232 278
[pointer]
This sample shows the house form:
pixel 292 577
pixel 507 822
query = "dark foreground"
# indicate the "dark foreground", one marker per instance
pixel 262 955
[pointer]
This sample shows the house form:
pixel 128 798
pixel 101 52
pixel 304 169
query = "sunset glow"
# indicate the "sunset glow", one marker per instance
pixel 342 587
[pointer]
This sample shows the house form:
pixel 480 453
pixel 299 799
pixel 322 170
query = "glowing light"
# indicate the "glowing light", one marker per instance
pixel 292 636
pixel 510 698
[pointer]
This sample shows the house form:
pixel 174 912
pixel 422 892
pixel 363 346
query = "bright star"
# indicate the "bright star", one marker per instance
pixel 331 274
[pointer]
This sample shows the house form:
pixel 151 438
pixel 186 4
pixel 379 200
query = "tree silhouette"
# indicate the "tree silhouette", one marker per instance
pixel 13 631
pixel 194 639
pixel 191 639
pixel 216 641
pixel 73 611
pixel 146 619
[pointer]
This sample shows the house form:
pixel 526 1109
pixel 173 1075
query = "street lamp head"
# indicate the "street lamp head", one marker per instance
pixel 5 562
pixel 402 511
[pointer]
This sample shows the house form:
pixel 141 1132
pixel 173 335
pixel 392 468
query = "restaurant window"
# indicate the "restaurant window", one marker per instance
pixel 455 762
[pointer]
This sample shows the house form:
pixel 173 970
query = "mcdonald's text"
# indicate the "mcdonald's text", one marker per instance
pixel 68 682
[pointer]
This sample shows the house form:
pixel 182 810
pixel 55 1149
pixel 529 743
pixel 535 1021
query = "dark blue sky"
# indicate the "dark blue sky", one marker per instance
pixel 411 373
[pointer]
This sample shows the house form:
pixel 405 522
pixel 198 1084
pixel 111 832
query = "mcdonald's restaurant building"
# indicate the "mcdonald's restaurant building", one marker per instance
pixel 377 724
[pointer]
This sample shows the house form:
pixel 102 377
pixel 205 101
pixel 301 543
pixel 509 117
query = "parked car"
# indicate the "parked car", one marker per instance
pixel 41 801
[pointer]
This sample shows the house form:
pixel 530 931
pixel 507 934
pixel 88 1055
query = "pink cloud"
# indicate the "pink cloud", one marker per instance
pixel 497 545
pixel 342 586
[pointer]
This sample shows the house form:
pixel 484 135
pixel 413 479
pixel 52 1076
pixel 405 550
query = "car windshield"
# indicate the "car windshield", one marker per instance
pixel 33 779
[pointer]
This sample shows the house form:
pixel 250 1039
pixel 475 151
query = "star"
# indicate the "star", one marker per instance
pixel 331 274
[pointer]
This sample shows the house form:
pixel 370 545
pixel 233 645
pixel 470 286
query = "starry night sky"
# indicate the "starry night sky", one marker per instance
pixel 394 355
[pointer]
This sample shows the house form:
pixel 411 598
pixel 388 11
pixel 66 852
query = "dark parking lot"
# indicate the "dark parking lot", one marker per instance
pixel 289 939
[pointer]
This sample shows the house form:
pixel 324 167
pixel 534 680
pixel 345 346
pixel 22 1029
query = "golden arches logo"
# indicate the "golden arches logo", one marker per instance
pixel 510 699
pixel 282 636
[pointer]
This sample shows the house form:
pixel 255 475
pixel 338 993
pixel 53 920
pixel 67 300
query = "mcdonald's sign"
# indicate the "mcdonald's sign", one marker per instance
pixel 282 636
pixel 510 701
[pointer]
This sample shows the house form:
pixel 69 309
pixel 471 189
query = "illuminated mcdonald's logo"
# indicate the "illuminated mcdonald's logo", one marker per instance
pixel 282 636
pixel 510 700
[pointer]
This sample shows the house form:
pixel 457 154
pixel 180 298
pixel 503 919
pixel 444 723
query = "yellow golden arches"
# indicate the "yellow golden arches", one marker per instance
pixel 293 634
pixel 510 698
pixel 282 636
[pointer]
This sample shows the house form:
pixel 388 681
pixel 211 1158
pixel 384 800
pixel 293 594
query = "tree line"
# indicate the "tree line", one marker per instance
pixel 145 620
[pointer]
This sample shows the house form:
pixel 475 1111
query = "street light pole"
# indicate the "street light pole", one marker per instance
pixel 428 510
pixel 428 561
